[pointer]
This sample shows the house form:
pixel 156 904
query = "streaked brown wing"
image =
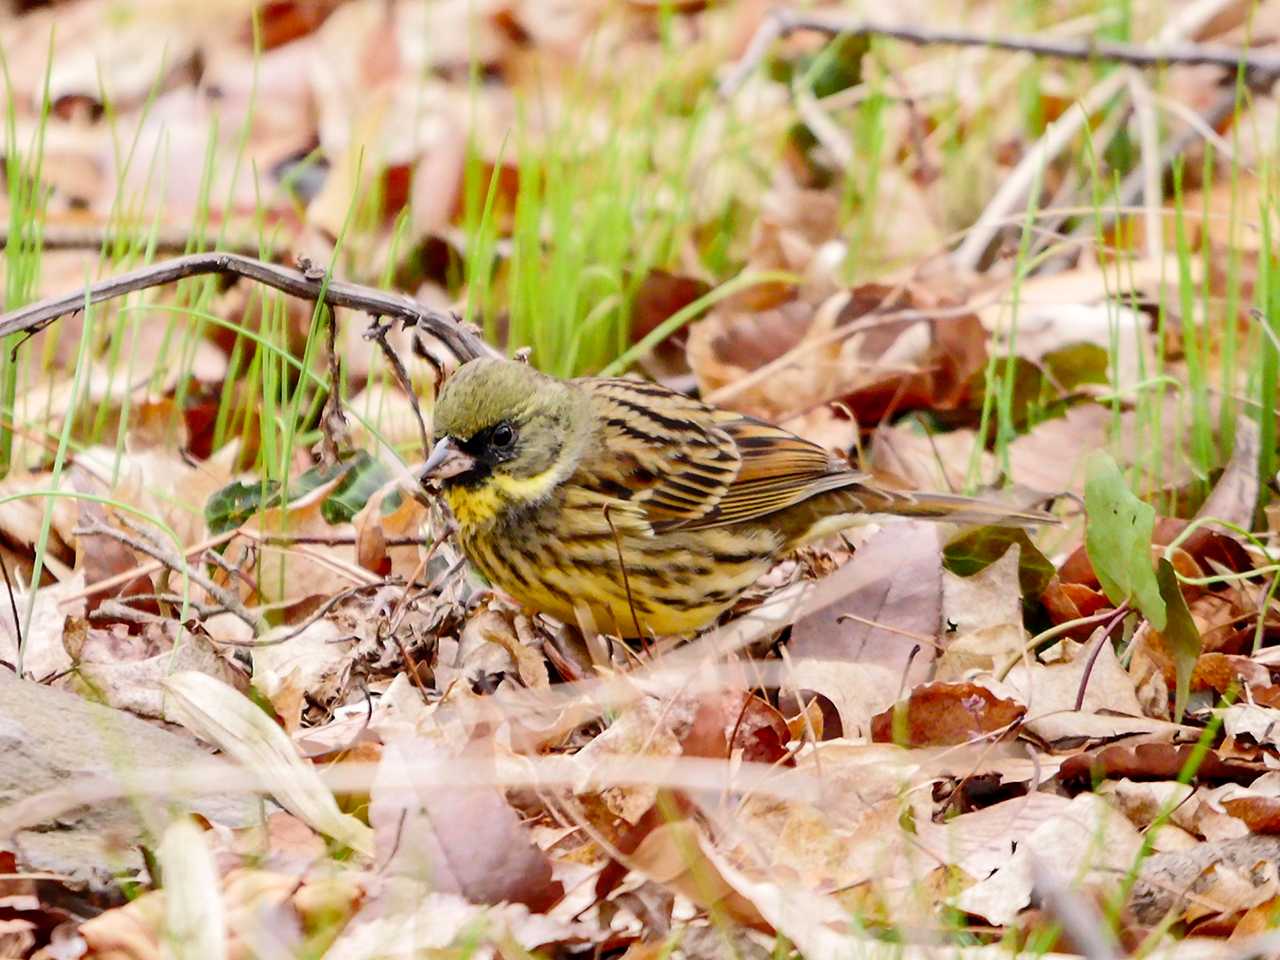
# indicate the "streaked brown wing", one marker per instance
pixel 691 466
pixel 670 457
pixel 778 470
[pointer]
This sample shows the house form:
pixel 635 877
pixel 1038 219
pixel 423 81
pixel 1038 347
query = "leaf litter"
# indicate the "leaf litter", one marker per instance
pixel 907 740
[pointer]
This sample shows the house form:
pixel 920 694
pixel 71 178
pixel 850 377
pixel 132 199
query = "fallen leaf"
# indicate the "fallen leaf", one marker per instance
pixel 1154 761
pixel 1087 841
pixel 885 620
pixel 1261 814
pixel 982 615
pixel 1234 497
pixel 465 840
pixel 224 717
pixel 858 691
pixel 291 665
pixel 1110 707
pixel 938 714
pixel 975 550
pixel 736 721
pixel 1261 724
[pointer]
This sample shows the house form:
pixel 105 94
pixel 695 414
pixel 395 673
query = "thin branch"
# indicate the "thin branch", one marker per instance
pixel 460 341
pixel 173 241
pixel 1263 65
pixel 178 565
pixel 378 333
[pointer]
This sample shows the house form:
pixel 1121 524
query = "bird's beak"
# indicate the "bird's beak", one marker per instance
pixel 446 460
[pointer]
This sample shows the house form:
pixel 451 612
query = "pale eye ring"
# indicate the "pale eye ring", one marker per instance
pixel 503 436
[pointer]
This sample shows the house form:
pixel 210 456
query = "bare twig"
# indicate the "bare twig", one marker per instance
pixel 377 332
pixel 783 21
pixel 177 564
pixel 173 241
pixel 446 328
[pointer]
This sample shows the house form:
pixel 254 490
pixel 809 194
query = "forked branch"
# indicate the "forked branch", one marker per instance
pixel 306 285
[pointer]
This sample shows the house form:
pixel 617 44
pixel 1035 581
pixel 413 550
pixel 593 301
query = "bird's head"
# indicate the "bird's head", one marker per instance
pixel 504 436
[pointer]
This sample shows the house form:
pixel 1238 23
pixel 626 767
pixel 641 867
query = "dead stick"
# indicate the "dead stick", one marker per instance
pixel 782 21
pixel 177 563
pixel 449 330
pixel 168 240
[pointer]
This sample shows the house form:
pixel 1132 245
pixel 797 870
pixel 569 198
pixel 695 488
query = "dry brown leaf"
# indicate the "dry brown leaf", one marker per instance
pixel 931 461
pixel 648 730
pixel 453 839
pixel 1110 706
pixel 982 614
pixel 1087 839
pixel 1261 814
pixel 290 666
pixel 889 621
pixel 736 721
pixel 1235 496
pixel 135 684
pixel 675 854
pixel 858 691
pixel 1154 761
pixel 403 919
pixel 938 714
pixel 44 651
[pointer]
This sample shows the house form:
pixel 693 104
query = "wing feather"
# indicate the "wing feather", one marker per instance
pixel 691 466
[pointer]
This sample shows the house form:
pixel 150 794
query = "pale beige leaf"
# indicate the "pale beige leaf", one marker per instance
pixel 217 713
pixel 195 921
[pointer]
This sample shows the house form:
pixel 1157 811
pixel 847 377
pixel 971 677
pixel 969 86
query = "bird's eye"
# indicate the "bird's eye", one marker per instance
pixel 503 436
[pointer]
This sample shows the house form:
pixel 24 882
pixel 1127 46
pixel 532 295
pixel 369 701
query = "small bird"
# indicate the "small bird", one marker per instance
pixel 649 511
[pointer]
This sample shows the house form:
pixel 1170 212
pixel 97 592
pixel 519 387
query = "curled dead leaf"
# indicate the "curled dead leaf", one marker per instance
pixel 1154 761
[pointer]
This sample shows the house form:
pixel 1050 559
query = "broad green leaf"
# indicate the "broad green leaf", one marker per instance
pixel 1181 636
pixel 362 476
pixel 1118 539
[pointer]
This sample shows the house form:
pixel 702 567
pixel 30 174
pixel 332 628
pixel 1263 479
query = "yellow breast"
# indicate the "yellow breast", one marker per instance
pixel 631 585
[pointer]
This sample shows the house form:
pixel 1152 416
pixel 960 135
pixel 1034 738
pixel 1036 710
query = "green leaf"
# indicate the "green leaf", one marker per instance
pixel 364 477
pixel 1181 637
pixel 1118 539
pixel 235 503
pixel 975 550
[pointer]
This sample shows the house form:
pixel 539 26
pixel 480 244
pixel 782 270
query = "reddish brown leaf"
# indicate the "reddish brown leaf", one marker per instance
pixel 1153 761
pixel 1073 601
pixel 1261 814
pixel 957 350
pixel 660 295
pixel 1219 671
pixel 1203 545
pixel 941 714
pixel 737 720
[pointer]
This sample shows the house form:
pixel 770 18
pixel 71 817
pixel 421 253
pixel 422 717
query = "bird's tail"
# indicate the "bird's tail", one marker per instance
pixel 944 507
